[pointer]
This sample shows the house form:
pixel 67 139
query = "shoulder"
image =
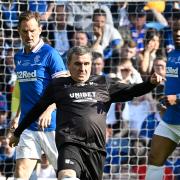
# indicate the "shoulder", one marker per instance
pixel 50 52
pixel 98 79
pixel 61 80
pixel 20 52
pixel 48 49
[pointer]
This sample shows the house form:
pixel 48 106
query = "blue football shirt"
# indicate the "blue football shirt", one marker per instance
pixel 172 86
pixel 34 72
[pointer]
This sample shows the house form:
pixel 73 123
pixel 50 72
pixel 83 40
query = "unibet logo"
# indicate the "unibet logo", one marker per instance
pixel 26 76
pixel 83 96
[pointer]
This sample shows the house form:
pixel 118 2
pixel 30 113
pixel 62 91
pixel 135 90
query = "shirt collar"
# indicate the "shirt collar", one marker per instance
pixel 37 47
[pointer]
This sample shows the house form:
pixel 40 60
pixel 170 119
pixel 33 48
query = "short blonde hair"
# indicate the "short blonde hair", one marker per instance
pixel 27 15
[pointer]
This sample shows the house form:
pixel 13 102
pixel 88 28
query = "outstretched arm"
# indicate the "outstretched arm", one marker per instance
pixel 124 92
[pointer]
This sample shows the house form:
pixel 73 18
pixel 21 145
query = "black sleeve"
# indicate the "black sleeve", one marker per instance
pixel 120 92
pixel 36 111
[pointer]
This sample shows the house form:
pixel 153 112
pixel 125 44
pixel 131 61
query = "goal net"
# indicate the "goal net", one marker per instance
pixel 130 39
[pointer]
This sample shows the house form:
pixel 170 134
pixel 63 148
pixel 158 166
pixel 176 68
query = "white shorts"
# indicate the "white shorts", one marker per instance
pixel 168 130
pixel 32 143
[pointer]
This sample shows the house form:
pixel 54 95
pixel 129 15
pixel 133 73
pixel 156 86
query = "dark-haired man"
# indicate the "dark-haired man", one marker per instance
pixel 167 134
pixel 82 103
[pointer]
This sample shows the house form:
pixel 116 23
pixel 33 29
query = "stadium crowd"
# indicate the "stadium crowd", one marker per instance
pixel 130 41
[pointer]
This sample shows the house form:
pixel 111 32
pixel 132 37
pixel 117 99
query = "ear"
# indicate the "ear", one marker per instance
pixel 40 29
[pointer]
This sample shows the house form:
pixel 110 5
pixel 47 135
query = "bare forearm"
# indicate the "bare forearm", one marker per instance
pixel 159 17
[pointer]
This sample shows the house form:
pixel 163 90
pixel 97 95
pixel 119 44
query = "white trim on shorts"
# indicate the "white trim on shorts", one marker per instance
pixel 168 130
pixel 32 143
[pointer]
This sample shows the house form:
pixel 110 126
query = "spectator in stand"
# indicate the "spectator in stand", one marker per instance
pixel 128 51
pixel 62 32
pixel 126 72
pixel 44 169
pixel 10 11
pixel 121 19
pixel 45 8
pixel 137 27
pixel 4 121
pixel 159 66
pixel 7 158
pixel 139 24
pixel 9 74
pixel 80 13
pixel 104 37
pixel 153 48
pixel 80 38
pixel 136 111
pixel 97 64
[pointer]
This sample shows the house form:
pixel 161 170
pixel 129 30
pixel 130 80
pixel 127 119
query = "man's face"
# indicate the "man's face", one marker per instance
pixel 30 33
pixel 99 21
pixel 176 33
pixel 60 17
pixel 159 67
pixel 98 65
pixel 80 39
pixel 128 52
pixel 139 22
pixel 80 67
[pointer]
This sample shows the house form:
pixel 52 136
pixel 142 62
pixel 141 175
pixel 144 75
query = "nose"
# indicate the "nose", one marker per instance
pixel 29 34
pixel 82 67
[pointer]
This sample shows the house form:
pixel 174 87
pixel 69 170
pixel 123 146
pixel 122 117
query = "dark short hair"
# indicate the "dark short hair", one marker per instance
pixel 99 12
pixel 27 15
pixel 96 55
pixel 78 50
